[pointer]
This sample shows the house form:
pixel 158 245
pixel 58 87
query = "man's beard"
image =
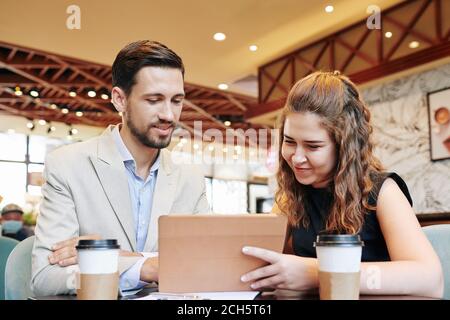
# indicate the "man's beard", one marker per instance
pixel 146 140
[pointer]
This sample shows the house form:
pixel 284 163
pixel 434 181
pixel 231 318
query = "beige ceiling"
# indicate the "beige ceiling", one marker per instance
pixel 186 26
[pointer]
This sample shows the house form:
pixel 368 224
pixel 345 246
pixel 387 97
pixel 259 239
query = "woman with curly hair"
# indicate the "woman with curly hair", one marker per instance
pixel 330 182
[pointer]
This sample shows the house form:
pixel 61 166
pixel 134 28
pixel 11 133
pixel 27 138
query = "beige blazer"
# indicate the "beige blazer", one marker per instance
pixel 86 192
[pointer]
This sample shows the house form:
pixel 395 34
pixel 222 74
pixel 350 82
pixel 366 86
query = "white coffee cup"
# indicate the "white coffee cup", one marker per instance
pixel 98 262
pixel 339 260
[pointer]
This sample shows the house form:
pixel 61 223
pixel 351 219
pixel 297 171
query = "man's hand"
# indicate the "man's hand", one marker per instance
pixel 124 253
pixel 149 271
pixel 64 252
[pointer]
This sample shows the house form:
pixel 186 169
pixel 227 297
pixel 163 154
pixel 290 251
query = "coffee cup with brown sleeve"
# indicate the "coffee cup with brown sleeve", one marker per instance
pixel 98 263
pixel 339 262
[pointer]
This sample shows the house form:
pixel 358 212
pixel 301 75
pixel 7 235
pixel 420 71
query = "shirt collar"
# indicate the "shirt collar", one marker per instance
pixel 125 153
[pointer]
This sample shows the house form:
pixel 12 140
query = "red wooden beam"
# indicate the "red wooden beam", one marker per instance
pixel 356 48
pixel 419 35
pixel 438 19
pixel 275 82
pixel 409 27
pixel 390 67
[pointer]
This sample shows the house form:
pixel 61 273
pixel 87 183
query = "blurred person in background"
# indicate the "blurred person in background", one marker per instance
pixel 12 223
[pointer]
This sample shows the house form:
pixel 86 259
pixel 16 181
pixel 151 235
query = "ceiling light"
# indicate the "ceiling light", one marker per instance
pixel 73 93
pixel 65 110
pixel 51 129
pixel 17 91
pixel 219 36
pixel 329 9
pixel 253 47
pixel 34 93
pixel 42 122
pixel 91 93
pixel 227 123
pixel 414 44
pixel 53 106
pixel 30 125
pixel 104 96
pixel 74 131
pixel 223 86
pixel 79 114
pixel 388 34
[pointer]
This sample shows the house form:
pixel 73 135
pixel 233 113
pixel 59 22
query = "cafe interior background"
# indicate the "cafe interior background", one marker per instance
pixel 241 58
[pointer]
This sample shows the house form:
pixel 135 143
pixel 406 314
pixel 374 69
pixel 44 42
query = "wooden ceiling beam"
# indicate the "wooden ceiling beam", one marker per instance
pixel 357 47
pixel 47 84
pixel 419 35
pixel 408 28
pixel 275 81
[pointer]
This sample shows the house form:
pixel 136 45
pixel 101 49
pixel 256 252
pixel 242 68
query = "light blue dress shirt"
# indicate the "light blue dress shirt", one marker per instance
pixel 141 196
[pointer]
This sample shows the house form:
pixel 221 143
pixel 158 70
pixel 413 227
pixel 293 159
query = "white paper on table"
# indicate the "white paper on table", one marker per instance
pixel 228 295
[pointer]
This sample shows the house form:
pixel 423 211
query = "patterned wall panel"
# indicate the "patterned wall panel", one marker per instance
pixel 401 132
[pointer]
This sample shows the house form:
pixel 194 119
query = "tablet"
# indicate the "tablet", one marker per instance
pixel 200 253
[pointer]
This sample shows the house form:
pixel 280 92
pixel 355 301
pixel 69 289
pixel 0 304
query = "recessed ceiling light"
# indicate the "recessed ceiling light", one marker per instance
pixel 227 123
pixel 34 93
pixel 74 131
pixel 65 110
pixel 91 93
pixel 388 34
pixel 414 44
pixel 42 122
pixel 223 86
pixel 219 36
pixel 253 47
pixel 73 94
pixel 104 96
pixel 30 125
pixel 79 114
pixel 329 9
pixel 53 106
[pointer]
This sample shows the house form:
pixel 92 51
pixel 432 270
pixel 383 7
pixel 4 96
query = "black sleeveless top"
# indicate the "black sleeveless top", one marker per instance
pixel 317 206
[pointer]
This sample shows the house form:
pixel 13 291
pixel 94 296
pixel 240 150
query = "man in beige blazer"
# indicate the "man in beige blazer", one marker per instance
pixel 89 185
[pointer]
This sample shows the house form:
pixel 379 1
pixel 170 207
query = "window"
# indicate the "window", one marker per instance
pixel 229 196
pixel 13 180
pixel 21 165
pixel 13 147
pixel 40 146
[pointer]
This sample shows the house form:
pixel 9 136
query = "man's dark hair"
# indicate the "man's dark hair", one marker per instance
pixel 137 55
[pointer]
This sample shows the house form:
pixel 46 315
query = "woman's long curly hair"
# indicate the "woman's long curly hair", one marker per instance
pixel 336 100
